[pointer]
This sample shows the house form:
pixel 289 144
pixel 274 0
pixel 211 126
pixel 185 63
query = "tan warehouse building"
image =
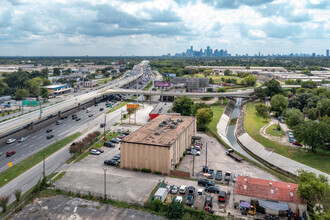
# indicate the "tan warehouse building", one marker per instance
pixel 159 144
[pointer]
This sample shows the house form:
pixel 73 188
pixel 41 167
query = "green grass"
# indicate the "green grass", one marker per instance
pixel 117 107
pixel 29 162
pixel 273 131
pixel 217 79
pixel 148 86
pixel 59 176
pixel 217 110
pixel 253 123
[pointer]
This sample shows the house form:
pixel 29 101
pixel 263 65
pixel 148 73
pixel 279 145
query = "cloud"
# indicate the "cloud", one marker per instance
pixel 233 4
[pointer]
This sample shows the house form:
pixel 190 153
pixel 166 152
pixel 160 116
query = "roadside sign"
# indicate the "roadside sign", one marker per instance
pixel 34 102
pixel 26 102
pixel 102 90
pixel 132 106
pixel 110 105
pixel 10 164
pixel 121 100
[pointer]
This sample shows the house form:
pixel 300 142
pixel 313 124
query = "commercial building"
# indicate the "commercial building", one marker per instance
pixel 90 84
pixel 274 198
pixel 192 84
pixel 162 108
pixel 159 144
pixel 58 89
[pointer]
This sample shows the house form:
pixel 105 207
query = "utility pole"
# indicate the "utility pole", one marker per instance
pixel 193 168
pixel 44 166
pixel 105 125
pixel 121 116
pixel 206 157
pixel 105 183
pixel 40 108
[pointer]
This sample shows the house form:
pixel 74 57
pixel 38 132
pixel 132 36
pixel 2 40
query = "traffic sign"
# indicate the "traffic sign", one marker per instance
pixel 26 102
pixel 132 106
pixel 10 164
pixel 34 102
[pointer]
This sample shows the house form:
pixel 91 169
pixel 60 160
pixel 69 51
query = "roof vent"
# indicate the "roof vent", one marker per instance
pixel 245 187
pixel 157 133
pixel 172 126
pixel 180 120
pixel 168 119
pixel 272 191
pixel 288 185
pixel 161 125
pixel 291 194
pixel 164 122
pixel 270 184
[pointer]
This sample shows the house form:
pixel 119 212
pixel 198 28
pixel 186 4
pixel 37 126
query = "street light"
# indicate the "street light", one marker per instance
pixel 105 183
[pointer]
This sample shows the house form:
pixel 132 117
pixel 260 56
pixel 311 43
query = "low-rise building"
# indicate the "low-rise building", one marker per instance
pixel 58 89
pixel 274 197
pixel 159 144
pixel 90 84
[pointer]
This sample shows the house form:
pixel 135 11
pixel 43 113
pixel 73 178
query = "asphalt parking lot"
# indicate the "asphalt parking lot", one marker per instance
pixel 218 160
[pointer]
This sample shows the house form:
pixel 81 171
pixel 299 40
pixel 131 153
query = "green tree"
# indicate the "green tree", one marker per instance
pixel 204 117
pixel 262 110
pixel 250 80
pixel 45 72
pixel 211 81
pixel 33 85
pixel 183 105
pixel 175 209
pixel 56 72
pixel 208 72
pixel 221 90
pixel 227 72
pixel 314 134
pixel 209 90
pixel 278 104
pixel 156 205
pixel 197 106
pixel 260 93
pixel 46 82
pixel 303 100
pixel 293 117
pixel 312 113
pixel 3 87
pixel 314 190
pixel 324 106
pixel 309 84
pixel 273 87
pixel 306 72
pixel 18 193
pixel 44 93
pixel 68 71
pixel 21 93
pixel 4 202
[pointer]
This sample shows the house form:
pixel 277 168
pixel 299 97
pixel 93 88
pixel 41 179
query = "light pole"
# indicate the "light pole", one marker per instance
pixel 105 183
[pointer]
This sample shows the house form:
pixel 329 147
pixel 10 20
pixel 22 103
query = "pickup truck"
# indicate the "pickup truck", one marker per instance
pixel 231 152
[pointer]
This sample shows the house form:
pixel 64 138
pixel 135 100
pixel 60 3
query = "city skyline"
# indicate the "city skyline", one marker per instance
pixel 153 28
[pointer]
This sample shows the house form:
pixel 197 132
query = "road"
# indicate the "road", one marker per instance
pixel 30 178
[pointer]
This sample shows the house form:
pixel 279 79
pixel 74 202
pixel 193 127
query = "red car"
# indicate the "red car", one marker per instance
pixel 100 150
pixel 9 153
pixel 297 143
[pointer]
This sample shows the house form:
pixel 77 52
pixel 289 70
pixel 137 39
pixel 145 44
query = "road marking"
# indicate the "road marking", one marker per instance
pixel 24 145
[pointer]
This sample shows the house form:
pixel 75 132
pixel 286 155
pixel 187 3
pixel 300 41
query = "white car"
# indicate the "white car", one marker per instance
pixel 183 189
pixel 11 140
pixel 200 192
pixel 178 198
pixel 195 152
pixel 22 139
pixel 95 152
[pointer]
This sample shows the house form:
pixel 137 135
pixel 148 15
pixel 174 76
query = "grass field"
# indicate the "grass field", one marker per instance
pixel 29 162
pixel 148 86
pixel 272 130
pixel 217 79
pixel 217 109
pixel 253 123
pixel 117 107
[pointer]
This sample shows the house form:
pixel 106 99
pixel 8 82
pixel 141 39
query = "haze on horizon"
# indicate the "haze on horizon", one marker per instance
pixel 144 27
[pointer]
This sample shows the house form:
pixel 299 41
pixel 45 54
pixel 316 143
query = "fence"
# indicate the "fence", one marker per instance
pixel 153 196
pixel 180 173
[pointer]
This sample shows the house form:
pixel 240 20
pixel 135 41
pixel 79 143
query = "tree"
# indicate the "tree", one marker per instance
pixel 312 113
pixel 68 71
pixel 250 80
pixel 227 72
pixel 18 194
pixel 33 85
pixel 3 87
pixel 309 84
pixel 204 117
pixel 21 93
pixel 156 205
pixel 209 90
pixel 314 134
pixel 46 82
pixel 175 209
pixel 221 90
pixel 197 106
pixel 56 72
pixel 211 81
pixel 4 202
pixel 44 93
pixel 313 190
pixel 293 117
pixel 208 72
pixel 262 110
pixel 306 72
pixel 324 107
pixel 273 87
pixel 45 72
pixel 183 105
pixel 278 104
pixel 303 100
pixel 260 93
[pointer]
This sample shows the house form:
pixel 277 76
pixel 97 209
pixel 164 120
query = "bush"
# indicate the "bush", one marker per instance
pixel 4 202
pixel 145 170
pixel 176 165
pixel 135 169
pixel 180 158
pixel 18 194
pixel 158 172
pixel 175 209
pixel 156 205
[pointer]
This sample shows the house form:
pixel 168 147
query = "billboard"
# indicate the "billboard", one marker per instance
pixel 162 84
pixel 132 106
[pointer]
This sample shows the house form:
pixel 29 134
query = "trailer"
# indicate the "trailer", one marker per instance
pixel 231 153
pixel 161 194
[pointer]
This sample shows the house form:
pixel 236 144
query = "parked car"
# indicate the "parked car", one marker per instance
pixel 205 182
pixel 74 116
pixel 90 115
pixel 102 125
pixel 212 189
pixel 11 140
pixel 211 172
pixel 297 143
pixel 121 136
pixel 126 133
pixel 115 140
pixel 247 175
pixel 111 162
pixel 84 108
pixel 222 196
pixel 10 153
pixel 49 130
pixel 78 119
pixel 174 190
pixel 58 122
pixel 108 144
pixel 200 192
pixel 218 175
pixel 178 198
pixel 208 201
pixel 50 136
pixel 228 176
pixel 194 152
pixel 117 157
pixel 101 109
pixel 22 139
pixel 235 177
pixel 100 149
pixel 95 152
pixel 169 188
pixel 183 189
pixel 190 200
pixel 191 190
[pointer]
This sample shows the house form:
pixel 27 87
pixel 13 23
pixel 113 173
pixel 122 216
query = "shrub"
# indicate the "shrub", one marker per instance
pixel 175 209
pixel 176 165
pixel 156 205
pixel 180 158
pixel 4 202
pixel 158 172
pixel 145 170
pixel 18 194
pixel 135 169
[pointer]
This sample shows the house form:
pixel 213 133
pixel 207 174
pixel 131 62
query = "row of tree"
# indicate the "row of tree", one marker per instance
pixel 83 144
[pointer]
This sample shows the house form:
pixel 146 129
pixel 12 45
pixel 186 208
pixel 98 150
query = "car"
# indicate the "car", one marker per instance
pixel 96 105
pixel 183 189
pixel 212 189
pixel 111 162
pixel 191 190
pixel 88 110
pixel 58 122
pixel 22 139
pixel 235 177
pixel 50 116
pixel 102 125
pixel 195 152
pixel 90 115
pixel 74 116
pixel 222 196
pixel 108 144
pixel 101 109
pixel 78 119
pixel 117 157
pixel 174 190
pixel 169 187
pixel 247 175
pixel 228 176
pixel 189 200
pixel 297 143
pixel 95 152
pixel 121 136
pixel 100 149
pixel 50 136
pixel 205 182
pixel 126 133
pixel 115 140
pixel 200 192
pixel 11 140
pixel 178 198
pixel 10 153
pixel 49 130
pixel 84 108
pixel 218 175
pixel 208 201
pixel 211 172
pixel 198 148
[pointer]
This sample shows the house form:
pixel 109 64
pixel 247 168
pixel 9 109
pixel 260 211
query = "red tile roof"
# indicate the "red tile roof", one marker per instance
pixel 266 189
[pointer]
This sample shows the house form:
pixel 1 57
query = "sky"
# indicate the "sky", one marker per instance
pixel 152 28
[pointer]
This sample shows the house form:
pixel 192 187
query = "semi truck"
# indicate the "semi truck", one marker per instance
pixel 231 152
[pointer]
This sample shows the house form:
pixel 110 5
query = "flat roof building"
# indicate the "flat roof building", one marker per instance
pixel 58 89
pixel 159 144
